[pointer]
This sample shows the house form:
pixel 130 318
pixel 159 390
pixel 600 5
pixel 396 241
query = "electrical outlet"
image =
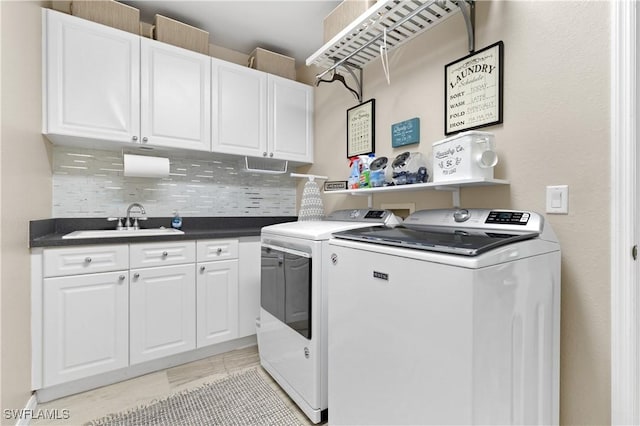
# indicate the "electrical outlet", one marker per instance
pixel 558 199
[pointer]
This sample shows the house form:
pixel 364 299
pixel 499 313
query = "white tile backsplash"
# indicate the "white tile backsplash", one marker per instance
pixel 90 183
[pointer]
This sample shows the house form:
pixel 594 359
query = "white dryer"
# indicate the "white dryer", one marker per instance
pixel 292 328
pixel 451 318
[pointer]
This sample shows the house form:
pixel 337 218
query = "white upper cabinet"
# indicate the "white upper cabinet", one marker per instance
pixel 175 97
pixel 106 85
pixel 290 120
pixel 260 115
pixel 92 80
pixel 239 109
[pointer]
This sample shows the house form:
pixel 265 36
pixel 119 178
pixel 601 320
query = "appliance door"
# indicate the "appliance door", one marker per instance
pixel 467 242
pixel 285 287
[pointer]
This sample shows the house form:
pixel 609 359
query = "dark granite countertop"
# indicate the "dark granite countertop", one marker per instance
pixel 49 232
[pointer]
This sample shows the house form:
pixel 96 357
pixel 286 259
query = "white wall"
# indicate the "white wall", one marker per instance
pixel 555 131
pixel 25 191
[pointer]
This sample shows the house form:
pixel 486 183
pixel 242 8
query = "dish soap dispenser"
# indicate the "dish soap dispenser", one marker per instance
pixel 176 222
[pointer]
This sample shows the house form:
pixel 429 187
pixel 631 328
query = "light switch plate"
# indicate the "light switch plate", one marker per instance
pixel 558 199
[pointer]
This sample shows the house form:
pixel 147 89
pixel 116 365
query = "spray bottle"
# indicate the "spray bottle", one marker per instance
pixel 354 177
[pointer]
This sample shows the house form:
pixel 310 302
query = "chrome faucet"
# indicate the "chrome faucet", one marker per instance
pixel 127 223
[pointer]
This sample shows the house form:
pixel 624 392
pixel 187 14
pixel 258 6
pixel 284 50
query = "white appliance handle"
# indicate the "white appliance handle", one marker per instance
pixel 288 250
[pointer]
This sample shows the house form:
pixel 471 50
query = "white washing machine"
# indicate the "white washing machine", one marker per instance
pixel 292 328
pixel 451 318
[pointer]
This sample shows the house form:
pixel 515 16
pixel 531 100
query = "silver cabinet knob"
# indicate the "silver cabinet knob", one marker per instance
pixel 121 277
pixel 145 139
pixel 135 138
pixel 271 154
pixel 219 251
pixel 264 154
pixel 136 276
pixel 165 254
pixel 202 269
pixel 87 260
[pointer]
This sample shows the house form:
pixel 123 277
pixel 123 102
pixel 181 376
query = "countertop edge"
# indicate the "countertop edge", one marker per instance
pixel 50 234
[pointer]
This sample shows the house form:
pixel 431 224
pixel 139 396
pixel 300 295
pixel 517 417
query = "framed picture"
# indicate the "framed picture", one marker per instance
pixel 361 126
pixel 473 90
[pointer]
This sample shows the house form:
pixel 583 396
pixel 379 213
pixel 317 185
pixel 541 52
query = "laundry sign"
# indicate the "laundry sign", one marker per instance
pixel 473 90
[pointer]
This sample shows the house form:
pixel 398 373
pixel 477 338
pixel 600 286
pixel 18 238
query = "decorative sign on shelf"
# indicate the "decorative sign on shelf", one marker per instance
pixel 473 90
pixel 335 185
pixel 405 133
pixel 361 126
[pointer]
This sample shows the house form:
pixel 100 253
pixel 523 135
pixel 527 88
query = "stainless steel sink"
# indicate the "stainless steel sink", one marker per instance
pixel 114 233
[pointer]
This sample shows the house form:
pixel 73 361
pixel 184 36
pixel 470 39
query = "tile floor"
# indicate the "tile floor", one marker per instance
pixel 143 390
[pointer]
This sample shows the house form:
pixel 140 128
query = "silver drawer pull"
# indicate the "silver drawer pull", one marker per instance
pixel 136 276
pixel 202 269
pixel 165 254
pixel 87 260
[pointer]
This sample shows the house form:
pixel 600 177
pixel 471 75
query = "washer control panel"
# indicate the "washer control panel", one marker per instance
pixel 508 217
pixel 385 217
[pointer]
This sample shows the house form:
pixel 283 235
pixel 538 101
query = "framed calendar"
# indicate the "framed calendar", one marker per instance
pixel 361 126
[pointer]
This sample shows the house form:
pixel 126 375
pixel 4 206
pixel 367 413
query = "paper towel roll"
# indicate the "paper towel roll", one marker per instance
pixel 144 166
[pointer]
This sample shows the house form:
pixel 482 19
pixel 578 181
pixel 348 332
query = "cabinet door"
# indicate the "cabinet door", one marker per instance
pixel 85 325
pixel 92 83
pixel 290 120
pixel 162 312
pixel 248 287
pixel 217 302
pixel 239 109
pixel 175 97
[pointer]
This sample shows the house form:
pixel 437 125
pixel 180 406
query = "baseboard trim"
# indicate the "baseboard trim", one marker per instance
pixel 28 411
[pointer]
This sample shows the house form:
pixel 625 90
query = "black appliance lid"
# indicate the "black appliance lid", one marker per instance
pixel 467 242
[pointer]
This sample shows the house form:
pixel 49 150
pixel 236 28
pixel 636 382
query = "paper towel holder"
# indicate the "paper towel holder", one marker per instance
pixel 145 166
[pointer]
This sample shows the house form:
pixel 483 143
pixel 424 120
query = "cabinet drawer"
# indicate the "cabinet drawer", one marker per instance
pixel 162 254
pixel 210 250
pixel 85 260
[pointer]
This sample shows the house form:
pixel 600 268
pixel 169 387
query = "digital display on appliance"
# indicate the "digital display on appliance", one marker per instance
pixel 374 214
pixel 508 218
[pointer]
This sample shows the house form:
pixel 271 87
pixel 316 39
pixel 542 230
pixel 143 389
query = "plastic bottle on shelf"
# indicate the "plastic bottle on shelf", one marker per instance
pixel 354 177
pixel 365 162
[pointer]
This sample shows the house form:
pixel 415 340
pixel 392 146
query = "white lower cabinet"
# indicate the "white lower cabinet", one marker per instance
pixel 86 325
pixel 217 282
pixel 248 285
pixel 108 307
pixel 217 303
pixel 162 312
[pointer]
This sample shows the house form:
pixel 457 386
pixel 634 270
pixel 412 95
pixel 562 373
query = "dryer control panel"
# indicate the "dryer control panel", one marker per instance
pixel 385 217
